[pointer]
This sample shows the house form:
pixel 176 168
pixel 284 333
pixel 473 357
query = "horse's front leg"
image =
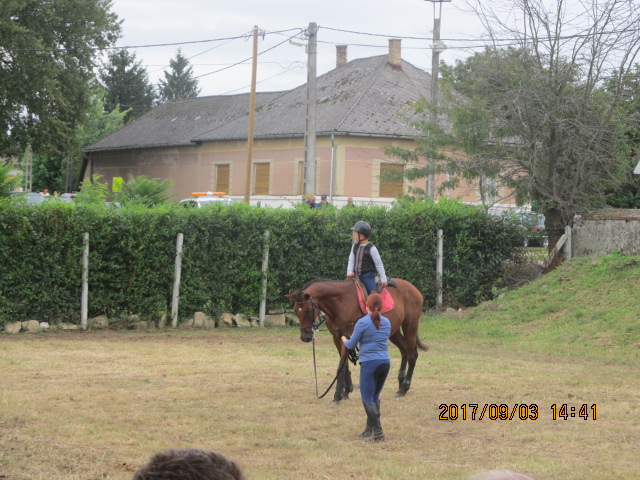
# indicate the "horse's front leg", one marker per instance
pixel 341 383
pixel 348 384
pixel 348 387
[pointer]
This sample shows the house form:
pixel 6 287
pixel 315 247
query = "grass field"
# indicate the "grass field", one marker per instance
pixel 96 405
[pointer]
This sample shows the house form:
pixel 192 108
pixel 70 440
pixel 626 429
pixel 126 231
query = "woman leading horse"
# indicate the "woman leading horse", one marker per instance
pixel 339 301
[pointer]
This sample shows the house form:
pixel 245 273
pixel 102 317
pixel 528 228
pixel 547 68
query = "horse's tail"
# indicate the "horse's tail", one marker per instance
pixel 422 346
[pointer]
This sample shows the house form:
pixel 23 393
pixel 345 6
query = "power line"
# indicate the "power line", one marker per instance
pixel 247 59
pixel 507 39
pixel 269 78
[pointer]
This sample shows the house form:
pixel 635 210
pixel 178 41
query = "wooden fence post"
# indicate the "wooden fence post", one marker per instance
pixel 567 246
pixel 265 268
pixel 84 303
pixel 556 249
pixel 176 282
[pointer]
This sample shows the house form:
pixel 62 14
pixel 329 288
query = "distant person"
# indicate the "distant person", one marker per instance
pixel 364 258
pixel 371 333
pixel 350 202
pixel 312 202
pixel 500 475
pixel 189 464
pixel 323 201
pixel 45 192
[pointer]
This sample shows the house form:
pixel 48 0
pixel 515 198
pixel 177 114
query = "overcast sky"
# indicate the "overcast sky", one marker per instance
pixel 153 22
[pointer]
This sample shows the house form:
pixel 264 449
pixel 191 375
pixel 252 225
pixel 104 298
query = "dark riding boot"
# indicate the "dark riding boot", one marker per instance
pixel 373 415
pixel 368 429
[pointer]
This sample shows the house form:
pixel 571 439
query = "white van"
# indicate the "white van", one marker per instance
pixel 203 199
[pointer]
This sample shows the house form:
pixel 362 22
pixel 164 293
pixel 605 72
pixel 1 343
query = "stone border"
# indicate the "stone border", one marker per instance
pixel 276 318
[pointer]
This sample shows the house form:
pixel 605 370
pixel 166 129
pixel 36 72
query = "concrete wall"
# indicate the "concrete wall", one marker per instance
pixel 606 231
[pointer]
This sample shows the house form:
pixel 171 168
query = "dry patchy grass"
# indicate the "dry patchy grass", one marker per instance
pixel 98 405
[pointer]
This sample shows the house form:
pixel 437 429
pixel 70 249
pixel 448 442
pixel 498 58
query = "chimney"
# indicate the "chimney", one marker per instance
pixel 395 53
pixel 341 55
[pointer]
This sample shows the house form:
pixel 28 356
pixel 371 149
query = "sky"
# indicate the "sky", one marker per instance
pixel 217 35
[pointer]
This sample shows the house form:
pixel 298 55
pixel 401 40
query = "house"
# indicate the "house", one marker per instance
pixel 201 143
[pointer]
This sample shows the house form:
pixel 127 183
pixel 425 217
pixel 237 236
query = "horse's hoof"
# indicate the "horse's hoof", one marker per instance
pixel 400 394
pixel 335 403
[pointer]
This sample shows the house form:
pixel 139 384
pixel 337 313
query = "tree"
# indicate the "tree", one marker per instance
pixel 47 60
pixel 93 191
pixel 626 192
pixel 179 82
pixel 141 190
pixel 60 171
pixel 8 182
pixel 127 85
pixel 556 134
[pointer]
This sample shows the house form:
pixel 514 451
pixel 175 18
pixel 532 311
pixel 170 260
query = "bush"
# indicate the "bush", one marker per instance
pixel 132 255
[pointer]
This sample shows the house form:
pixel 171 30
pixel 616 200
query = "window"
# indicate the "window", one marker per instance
pixel 261 183
pixel 222 178
pixel 391 180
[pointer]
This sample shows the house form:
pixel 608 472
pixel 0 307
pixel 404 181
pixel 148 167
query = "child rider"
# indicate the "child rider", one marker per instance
pixel 364 259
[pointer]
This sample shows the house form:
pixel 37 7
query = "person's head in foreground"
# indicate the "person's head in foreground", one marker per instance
pixel 189 464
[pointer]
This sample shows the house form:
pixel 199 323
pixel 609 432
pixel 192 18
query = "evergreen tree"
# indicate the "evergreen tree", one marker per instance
pixel 127 85
pixel 179 82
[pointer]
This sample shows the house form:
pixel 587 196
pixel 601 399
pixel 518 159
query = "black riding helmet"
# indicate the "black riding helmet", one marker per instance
pixel 363 228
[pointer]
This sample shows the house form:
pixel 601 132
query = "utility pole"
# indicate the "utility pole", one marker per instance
pixel 309 185
pixel 252 115
pixel 437 47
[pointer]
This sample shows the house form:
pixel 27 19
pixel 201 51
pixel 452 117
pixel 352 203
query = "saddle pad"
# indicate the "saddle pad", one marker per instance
pixel 360 293
pixel 387 300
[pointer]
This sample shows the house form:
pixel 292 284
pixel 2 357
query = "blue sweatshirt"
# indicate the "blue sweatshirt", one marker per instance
pixel 373 341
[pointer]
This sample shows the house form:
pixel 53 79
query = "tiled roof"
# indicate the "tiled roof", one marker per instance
pixel 363 97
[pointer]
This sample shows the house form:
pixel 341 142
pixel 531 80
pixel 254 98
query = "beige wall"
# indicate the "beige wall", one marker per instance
pixel 356 170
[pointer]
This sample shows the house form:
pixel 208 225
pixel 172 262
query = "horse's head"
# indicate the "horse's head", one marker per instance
pixel 307 311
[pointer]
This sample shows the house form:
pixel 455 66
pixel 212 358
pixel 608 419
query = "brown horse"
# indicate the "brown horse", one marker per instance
pixel 338 300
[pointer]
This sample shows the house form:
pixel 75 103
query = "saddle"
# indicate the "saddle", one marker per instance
pixel 387 300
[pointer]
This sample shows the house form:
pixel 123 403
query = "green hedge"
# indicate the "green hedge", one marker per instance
pixel 132 255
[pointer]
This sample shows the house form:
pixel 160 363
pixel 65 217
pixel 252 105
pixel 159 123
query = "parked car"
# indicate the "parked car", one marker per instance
pixel 203 199
pixel 67 197
pixel 536 233
pixel 30 198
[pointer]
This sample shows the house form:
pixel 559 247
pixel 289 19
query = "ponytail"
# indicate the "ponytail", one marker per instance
pixel 374 304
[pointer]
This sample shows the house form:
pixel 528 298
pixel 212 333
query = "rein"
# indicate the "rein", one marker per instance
pixel 315 328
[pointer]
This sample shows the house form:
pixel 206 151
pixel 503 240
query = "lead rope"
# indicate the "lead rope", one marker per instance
pixel 352 354
pixel 315 372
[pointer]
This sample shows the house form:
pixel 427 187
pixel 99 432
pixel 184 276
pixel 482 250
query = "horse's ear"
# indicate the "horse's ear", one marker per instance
pixel 291 296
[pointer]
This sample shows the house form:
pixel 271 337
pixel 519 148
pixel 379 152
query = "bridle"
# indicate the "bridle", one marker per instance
pixel 315 324
pixel 313 328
